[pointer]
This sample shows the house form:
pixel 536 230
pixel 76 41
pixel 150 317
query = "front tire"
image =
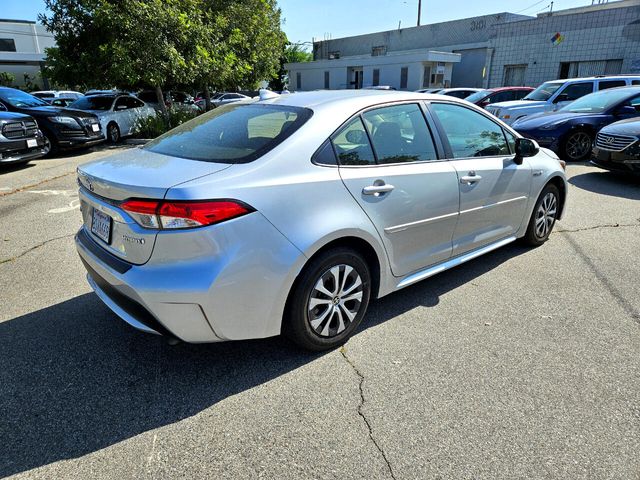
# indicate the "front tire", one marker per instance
pixel 329 300
pixel 577 146
pixel 543 217
pixel 113 132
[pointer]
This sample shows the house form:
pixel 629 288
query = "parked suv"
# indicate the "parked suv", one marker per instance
pixel 20 139
pixel 63 128
pixel 617 147
pixel 553 95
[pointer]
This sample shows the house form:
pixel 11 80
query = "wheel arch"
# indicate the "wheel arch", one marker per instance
pixel 561 185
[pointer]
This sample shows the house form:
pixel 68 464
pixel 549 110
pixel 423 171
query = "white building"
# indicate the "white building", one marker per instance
pixel 22 49
pixel 403 70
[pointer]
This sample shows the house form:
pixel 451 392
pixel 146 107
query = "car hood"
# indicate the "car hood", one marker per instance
pixel 141 173
pixel 630 126
pixel 517 104
pixel 538 120
pixel 43 112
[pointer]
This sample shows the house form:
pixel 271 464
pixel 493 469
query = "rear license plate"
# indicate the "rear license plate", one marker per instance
pixel 101 225
pixel 95 127
pixel 32 143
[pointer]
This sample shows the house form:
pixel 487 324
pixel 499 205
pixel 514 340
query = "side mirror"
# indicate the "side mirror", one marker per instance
pixel 626 110
pixel 525 147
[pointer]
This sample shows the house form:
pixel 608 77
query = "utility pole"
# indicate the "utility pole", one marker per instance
pixel 419 11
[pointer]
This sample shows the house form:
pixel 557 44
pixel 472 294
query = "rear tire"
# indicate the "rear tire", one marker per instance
pixel 543 218
pixel 329 300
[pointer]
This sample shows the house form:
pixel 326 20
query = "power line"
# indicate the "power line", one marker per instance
pixel 531 6
pixel 26 33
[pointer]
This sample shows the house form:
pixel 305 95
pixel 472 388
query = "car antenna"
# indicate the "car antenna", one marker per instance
pixel 267 94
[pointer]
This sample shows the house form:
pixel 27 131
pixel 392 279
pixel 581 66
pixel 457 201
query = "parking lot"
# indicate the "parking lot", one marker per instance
pixel 523 363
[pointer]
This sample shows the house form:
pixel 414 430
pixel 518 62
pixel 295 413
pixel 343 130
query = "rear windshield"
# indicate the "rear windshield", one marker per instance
pixel 232 133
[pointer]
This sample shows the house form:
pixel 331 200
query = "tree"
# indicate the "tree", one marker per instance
pixel 7 79
pixel 123 43
pixel 291 53
pixel 243 45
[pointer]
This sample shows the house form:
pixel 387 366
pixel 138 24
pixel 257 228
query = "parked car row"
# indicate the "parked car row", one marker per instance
pixel 578 119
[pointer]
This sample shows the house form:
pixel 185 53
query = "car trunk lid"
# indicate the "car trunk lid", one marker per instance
pixel 105 183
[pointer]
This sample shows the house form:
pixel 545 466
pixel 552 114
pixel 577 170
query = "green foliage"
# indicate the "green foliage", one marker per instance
pixel 150 43
pixel 292 53
pixel 155 125
pixel 7 79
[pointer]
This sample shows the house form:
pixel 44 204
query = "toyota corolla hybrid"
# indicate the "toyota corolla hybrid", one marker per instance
pixel 289 214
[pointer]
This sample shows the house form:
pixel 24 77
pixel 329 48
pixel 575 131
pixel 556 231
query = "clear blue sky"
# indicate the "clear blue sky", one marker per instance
pixel 305 19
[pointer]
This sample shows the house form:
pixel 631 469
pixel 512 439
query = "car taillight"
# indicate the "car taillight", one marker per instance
pixel 183 214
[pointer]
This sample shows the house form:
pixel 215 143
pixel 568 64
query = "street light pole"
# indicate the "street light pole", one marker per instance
pixel 419 11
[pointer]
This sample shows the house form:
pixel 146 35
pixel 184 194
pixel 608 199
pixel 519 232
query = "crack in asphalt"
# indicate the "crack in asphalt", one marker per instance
pixel 27 187
pixel 602 278
pixel 597 227
pixel 11 259
pixel 343 352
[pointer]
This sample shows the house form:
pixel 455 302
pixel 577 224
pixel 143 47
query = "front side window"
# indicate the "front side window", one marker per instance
pixel 470 133
pixel 232 133
pixel 7 45
pixel 93 102
pixel 574 91
pixel 400 134
pixel 352 144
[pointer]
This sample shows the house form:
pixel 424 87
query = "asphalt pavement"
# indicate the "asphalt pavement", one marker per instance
pixel 522 364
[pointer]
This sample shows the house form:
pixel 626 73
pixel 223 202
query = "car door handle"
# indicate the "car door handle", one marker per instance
pixel 377 189
pixel 470 179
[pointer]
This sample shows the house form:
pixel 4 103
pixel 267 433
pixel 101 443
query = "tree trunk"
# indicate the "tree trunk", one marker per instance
pixel 163 107
pixel 207 98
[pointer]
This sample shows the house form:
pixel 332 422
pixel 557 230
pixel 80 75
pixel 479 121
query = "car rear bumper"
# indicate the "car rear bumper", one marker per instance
pixel 225 282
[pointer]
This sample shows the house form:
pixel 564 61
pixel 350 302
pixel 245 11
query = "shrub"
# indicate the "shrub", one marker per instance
pixel 155 125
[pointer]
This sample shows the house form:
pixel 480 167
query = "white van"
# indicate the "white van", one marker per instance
pixel 551 96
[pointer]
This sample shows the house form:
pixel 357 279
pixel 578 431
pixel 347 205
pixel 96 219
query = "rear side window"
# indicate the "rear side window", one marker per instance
pixel 604 84
pixel 352 144
pixel 470 133
pixel 400 134
pixel 231 133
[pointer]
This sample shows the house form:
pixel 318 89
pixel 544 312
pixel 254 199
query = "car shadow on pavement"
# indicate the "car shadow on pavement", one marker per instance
pixel 75 379
pixel 609 183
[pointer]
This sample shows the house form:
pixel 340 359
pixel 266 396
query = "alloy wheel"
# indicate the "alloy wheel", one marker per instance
pixel 335 300
pixel 113 132
pixel 546 215
pixel 578 145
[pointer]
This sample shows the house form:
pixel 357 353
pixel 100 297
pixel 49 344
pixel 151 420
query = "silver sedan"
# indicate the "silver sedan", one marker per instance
pixel 289 214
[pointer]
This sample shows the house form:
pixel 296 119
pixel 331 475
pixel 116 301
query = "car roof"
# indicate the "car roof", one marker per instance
pixel 351 99
pixel 597 77
pixel 501 89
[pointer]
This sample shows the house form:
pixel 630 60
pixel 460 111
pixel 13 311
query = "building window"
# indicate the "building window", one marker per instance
pixel 7 45
pixel 404 74
pixel 379 50
pixel 590 68
pixel 298 80
pixel 326 80
pixel 334 55
pixel 514 75
pixel 426 77
pixel 376 77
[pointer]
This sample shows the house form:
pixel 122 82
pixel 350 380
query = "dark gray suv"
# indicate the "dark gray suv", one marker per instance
pixel 20 139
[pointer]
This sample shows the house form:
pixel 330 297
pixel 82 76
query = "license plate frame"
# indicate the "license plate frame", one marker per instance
pixel 95 127
pixel 101 224
pixel 32 143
